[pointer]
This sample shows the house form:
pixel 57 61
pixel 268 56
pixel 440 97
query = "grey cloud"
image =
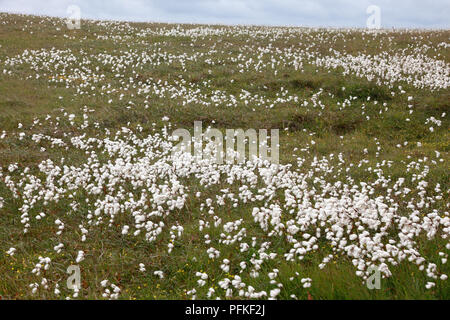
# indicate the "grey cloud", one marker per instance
pixel 338 13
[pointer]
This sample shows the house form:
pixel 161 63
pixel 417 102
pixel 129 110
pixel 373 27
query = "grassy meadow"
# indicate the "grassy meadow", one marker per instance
pixel 344 116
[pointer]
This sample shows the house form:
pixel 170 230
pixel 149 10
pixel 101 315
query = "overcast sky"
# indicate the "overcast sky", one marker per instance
pixel 336 13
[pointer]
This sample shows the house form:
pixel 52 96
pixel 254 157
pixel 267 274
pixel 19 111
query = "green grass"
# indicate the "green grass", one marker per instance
pixel 112 256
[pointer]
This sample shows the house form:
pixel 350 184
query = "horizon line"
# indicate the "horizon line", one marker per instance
pixel 329 27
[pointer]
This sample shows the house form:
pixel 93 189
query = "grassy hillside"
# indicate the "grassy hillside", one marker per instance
pixel 85 120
